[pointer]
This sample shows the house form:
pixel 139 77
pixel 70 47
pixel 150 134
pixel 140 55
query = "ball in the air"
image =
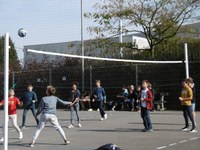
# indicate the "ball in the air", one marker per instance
pixel 22 32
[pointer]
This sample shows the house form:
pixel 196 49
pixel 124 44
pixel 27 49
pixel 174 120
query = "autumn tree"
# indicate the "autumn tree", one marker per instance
pixel 158 20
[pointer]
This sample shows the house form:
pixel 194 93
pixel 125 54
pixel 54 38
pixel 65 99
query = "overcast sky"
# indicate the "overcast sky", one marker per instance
pixel 46 21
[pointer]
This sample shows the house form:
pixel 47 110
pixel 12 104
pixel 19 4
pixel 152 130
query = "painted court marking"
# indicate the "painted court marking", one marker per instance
pixel 180 142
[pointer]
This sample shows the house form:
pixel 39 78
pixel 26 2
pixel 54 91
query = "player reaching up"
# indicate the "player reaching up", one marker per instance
pixel 12 111
pixel 47 109
pixel 100 96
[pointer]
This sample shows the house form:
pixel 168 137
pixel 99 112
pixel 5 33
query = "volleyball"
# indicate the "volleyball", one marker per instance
pixel 22 32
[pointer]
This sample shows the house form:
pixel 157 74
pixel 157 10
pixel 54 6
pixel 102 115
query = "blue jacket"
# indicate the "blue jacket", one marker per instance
pixel 48 105
pixel 28 98
pixel 100 94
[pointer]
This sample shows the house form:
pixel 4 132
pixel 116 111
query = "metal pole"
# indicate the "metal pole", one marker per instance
pixel 121 37
pixel 13 80
pixel 136 75
pixel 90 80
pixel 82 49
pixel 50 77
pixel 186 61
pixel 6 88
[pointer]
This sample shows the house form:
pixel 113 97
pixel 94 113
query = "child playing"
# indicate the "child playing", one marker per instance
pixel 100 96
pixel 186 102
pixel 12 111
pixel 74 106
pixel 47 108
pixel 146 105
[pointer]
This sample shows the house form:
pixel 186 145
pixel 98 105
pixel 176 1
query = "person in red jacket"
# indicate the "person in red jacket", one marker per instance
pixel 12 111
pixel 146 105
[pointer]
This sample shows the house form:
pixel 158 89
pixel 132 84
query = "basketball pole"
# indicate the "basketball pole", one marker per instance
pixel 6 88
pixel 186 61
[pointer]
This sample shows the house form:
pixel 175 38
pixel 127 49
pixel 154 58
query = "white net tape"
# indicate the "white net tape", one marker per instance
pixel 103 59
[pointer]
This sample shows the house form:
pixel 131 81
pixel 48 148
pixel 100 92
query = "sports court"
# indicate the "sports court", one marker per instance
pixel 121 128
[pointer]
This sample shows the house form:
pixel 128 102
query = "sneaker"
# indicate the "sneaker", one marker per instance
pixel 149 130
pixel 70 126
pixel 2 139
pixel 144 130
pixel 105 116
pixel 113 109
pixel 98 109
pixel 67 142
pixel 193 131
pixel 101 119
pixel 31 145
pixel 23 127
pixel 185 129
pixel 79 125
pixel 20 135
pixel 90 109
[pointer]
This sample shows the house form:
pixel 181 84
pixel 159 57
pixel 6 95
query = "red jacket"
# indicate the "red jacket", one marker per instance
pixel 149 100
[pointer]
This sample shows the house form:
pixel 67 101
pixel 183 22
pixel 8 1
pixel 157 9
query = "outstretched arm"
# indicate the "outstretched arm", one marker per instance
pixel 64 102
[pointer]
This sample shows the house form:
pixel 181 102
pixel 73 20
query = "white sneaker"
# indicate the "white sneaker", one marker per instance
pixel 113 109
pixel 98 109
pixel 90 109
pixel 67 142
pixel 2 139
pixel 193 131
pixel 105 116
pixel 79 125
pixel 101 119
pixel 31 145
pixel 20 135
pixel 70 126
pixel 185 129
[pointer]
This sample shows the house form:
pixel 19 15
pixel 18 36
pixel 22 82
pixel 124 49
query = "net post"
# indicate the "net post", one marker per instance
pixel 90 80
pixel 6 88
pixel 186 61
pixel 136 75
pixel 82 48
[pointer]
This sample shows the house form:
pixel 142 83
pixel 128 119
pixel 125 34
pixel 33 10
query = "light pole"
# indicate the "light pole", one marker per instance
pixel 82 48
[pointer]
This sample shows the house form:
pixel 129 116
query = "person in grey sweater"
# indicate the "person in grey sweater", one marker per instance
pixel 47 109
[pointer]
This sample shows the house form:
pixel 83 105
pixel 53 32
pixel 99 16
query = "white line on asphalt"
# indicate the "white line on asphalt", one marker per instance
pixel 184 141
pixel 195 138
pixel 162 147
pixel 172 144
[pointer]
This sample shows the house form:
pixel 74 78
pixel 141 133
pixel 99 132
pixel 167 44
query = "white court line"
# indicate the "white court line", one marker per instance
pixel 172 144
pixel 162 147
pixel 184 141
pixel 195 138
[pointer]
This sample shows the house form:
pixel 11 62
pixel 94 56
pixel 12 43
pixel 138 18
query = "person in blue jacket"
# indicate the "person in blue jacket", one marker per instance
pixel 100 96
pixel 29 99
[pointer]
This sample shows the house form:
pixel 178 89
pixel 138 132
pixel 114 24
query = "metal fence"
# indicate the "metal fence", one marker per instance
pixel 164 78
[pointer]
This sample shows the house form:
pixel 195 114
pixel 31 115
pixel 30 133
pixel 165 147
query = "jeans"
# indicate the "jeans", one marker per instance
pixel 44 118
pixel 146 118
pixel 74 109
pixel 25 113
pixel 187 112
pixel 101 107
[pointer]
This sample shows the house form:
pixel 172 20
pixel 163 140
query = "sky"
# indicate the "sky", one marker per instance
pixel 46 21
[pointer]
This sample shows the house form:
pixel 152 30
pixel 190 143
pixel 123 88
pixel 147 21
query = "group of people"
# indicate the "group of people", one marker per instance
pixel 143 97
pixel 47 109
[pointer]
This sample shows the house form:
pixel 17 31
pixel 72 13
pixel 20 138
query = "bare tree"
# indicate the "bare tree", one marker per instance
pixel 158 19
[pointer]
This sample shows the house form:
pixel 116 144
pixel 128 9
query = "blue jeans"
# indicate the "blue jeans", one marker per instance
pixel 187 112
pixel 25 113
pixel 146 118
pixel 100 104
pixel 74 109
